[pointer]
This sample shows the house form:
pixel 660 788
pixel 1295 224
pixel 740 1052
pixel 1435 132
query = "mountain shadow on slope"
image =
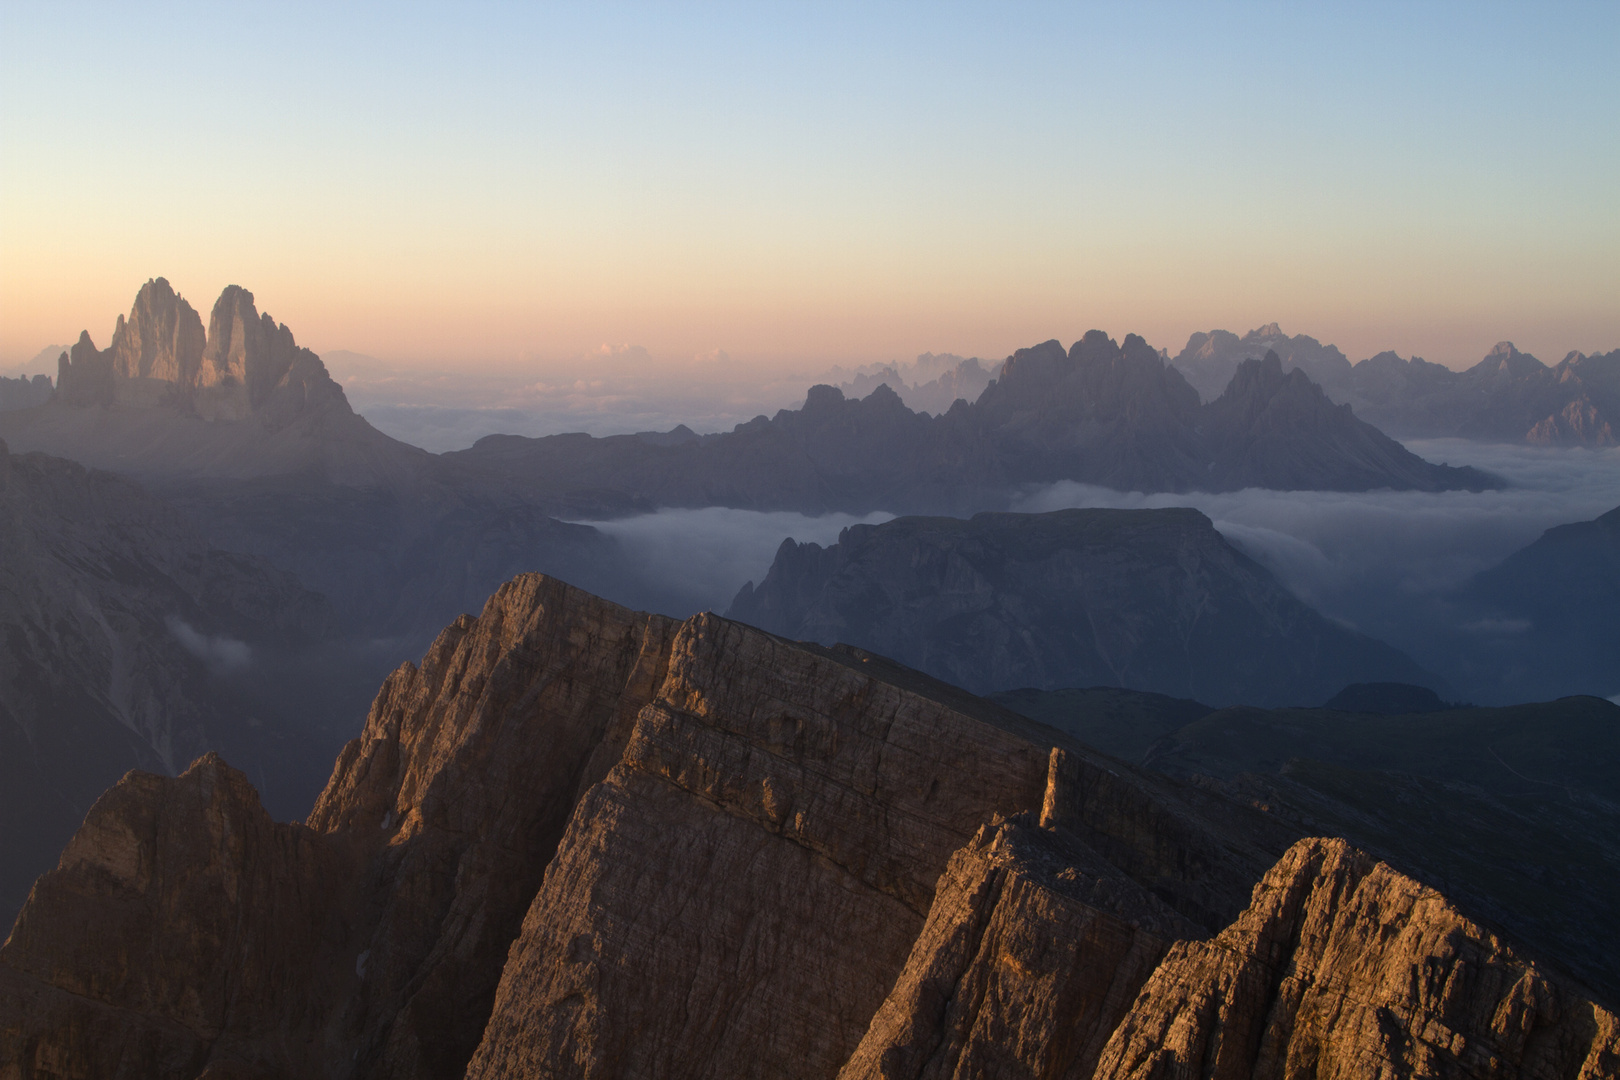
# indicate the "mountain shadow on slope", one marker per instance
pixel 1145 599
pixel 1516 809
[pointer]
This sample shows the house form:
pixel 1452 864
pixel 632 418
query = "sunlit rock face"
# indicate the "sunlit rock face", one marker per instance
pixel 578 840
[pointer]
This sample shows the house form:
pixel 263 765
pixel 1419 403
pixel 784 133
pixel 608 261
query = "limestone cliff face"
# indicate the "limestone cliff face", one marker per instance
pixel 245 365
pixel 580 841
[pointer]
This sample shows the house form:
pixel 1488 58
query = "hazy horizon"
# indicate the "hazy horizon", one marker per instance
pixel 805 187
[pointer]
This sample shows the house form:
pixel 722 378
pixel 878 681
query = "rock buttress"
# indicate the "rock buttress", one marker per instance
pixel 738 894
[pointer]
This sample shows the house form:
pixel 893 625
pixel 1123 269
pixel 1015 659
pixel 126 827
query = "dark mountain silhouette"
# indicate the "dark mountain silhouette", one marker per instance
pixel 1516 809
pixel 1147 599
pixel 1099 413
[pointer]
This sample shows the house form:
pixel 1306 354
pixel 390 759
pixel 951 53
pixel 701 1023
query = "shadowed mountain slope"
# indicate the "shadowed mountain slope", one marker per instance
pixel 1547 618
pixel 126 641
pixel 1514 810
pixel 1146 599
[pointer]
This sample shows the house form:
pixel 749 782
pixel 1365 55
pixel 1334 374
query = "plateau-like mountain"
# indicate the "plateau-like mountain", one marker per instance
pixel 583 841
pixel 1515 810
pixel 1100 413
pixel 1146 599
pixel 1509 396
pixel 247 434
pixel 126 641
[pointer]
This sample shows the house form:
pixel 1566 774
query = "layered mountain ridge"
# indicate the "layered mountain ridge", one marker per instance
pixel 1509 396
pixel 1100 412
pixel 583 841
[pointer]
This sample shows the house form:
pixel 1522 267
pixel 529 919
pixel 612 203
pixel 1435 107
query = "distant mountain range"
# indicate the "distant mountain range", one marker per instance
pixel 1148 599
pixel 1509 396
pixel 1099 412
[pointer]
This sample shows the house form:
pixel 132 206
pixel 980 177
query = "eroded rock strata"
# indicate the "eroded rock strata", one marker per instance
pixel 583 841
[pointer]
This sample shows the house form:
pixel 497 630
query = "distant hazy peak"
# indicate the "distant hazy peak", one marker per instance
pixel 1507 360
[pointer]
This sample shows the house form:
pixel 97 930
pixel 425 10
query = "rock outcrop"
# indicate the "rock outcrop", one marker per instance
pixel 242 400
pixel 584 841
pixel 248 436
pixel 1146 599
pixel 1343 968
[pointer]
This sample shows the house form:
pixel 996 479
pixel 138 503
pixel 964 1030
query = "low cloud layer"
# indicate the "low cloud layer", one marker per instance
pixel 1368 558
pixel 1377 561
pixel 698 559
pixel 221 654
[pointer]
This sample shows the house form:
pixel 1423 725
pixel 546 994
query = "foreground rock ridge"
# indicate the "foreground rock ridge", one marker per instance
pixel 583 841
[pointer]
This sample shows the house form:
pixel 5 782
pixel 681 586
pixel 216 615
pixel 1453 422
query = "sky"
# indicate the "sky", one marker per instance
pixel 498 188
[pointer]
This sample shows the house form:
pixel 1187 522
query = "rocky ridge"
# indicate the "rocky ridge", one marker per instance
pixel 241 400
pixel 582 841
